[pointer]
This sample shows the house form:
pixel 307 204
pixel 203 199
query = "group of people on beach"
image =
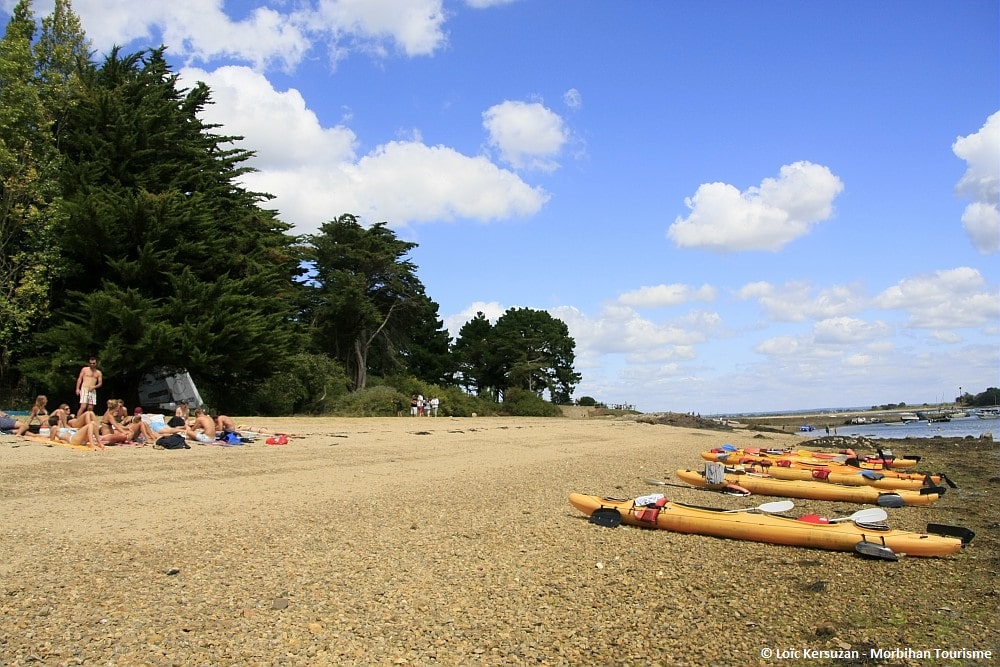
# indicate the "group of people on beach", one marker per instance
pixel 423 407
pixel 116 426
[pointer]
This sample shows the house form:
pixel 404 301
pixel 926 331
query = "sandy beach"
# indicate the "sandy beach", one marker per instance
pixel 447 541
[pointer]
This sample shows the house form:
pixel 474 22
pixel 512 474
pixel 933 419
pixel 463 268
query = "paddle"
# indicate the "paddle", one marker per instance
pixel 608 517
pixel 889 500
pixel 870 515
pixel 768 508
pixel 873 550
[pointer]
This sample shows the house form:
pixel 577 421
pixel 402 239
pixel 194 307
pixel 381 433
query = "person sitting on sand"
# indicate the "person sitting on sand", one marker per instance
pixel 111 431
pixel 224 426
pixel 36 416
pixel 183 411
pixel 86 436
pixel 203 429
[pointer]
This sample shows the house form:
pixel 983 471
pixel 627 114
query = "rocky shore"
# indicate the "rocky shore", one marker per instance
pixel 450 541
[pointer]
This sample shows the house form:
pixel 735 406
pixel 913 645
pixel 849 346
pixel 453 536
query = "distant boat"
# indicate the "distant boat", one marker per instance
pixel 908 417
pixel 989 413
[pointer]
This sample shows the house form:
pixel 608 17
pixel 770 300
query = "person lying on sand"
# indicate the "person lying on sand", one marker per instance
pixel 86 436
pixel 266 431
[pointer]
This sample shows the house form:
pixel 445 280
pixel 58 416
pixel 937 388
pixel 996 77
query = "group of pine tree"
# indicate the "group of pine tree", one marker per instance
pixel 124 234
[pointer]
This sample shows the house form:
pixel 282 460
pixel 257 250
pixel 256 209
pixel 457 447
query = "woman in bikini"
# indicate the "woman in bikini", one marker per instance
pixel 37 417
pixel 86 436
pixel 111 431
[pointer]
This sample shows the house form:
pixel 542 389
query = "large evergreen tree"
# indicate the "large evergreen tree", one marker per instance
pixel 167 261
pixel 526 349
pixel 30 101
pixel 366 302
pixel 478 367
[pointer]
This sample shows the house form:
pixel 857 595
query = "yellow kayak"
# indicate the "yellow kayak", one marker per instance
pixel 758 527
pixel 769 486
pixel 836 474
pixel 883 461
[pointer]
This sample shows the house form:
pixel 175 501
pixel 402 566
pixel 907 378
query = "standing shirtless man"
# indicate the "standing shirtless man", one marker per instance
pixel 87 384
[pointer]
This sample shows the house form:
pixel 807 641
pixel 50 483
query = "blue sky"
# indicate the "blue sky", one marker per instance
pixel 734 206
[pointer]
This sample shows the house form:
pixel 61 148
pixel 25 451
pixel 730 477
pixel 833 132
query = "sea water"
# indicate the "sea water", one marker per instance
pixel 956 428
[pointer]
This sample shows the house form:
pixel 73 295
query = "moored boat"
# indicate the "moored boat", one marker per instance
pixel 759 527
pixel 766 485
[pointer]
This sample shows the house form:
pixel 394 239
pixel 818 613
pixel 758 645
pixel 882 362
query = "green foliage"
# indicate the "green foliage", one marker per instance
pixel 365 300
pixel 168 262
pixel 377 401
pixel 524 403
pixel 453 401
pixel 478 367
pixel 309 384
pixel 587 401
pixel 29 208
pixel 989 398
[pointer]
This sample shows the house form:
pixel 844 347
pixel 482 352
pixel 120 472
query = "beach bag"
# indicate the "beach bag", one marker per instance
pixel 173 441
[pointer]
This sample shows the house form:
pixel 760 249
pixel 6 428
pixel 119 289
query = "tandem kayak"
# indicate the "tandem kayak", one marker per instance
pixel 758 527
pixel 883 461
pixel 766 485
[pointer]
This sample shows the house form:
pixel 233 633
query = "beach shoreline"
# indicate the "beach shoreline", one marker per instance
pixel 447 541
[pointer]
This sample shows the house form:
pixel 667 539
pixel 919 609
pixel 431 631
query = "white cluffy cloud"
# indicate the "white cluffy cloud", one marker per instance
pixel 201 30
pixel 981 183
pixel 527 134
pixel 315 174
pixel 947 299
pixel 767 217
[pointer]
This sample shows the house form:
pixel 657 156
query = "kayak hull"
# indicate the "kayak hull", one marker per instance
pixel 837 475
pixel 769 528
pixel 735 456
pixel 787 488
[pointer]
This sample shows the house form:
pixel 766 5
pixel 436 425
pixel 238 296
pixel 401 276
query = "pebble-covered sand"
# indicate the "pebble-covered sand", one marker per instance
pixel 446 541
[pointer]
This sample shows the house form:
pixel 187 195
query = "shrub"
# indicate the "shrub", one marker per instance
pixel 524 403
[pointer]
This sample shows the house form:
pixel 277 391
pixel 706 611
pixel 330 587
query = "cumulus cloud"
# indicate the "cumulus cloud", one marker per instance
pixel 315 175
pixel 526 134
pixel 619 329
pixel 201 30
pixel 415 26
pixel 492 310
pixel 659 296
pixel 848 330
pixel 766 217
pixel 795 301
pixel 946 299
pixel 981 183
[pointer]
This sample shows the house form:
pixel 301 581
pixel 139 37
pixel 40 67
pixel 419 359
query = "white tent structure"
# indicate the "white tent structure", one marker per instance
pixel 166 389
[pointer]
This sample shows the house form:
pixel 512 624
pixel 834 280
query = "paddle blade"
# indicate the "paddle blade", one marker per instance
pixel 947 481
pixel 930 490
pixel 608 517
pixel 889 500
pixel 776 507
pixel 872 515
pixel 872 550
